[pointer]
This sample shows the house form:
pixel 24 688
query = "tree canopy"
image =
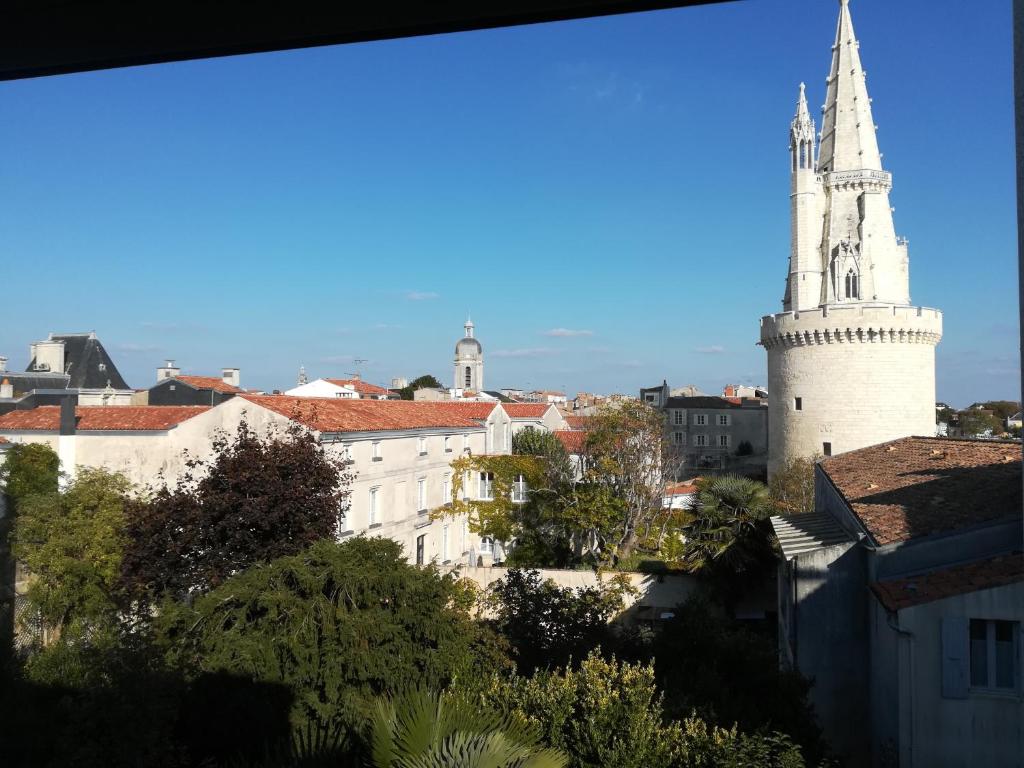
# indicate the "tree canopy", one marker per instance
pixel 791 487
pixel 258 497
pixel 28 469
pixel 422 382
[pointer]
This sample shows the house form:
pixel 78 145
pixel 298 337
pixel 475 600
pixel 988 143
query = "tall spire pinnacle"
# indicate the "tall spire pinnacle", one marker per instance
pixel 848 131
pixel 469 327
pixel 801 135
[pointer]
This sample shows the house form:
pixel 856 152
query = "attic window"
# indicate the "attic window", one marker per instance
pixel 826 449
pixel 798 403
pixel 171 387
pixel 102 367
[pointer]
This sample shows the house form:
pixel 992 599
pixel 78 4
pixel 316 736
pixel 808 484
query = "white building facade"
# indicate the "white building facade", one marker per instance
pixel 851 362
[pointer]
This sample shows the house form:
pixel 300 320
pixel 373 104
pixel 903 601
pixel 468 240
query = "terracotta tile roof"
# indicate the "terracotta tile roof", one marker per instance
pixel 916 486
pixel 572 439
pixel 209 382
pixel 896 594
pixel 360 386
pixel 578 422
pixel 331 414
pixel 680 489
pixel 526 410
pixel 132 418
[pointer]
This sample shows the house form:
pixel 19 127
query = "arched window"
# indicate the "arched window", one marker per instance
pixel 469 376
pixel 852 287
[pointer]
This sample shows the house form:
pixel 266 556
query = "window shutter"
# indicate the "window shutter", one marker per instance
pixel 955 657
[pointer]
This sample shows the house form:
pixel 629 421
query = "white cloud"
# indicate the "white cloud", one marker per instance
pixel 566 333
pixel 421 295
pixel 130 348
pixel 714 349
pixel 527 352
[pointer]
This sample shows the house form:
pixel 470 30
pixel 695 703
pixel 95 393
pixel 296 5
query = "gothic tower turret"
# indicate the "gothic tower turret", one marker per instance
pixel 850 362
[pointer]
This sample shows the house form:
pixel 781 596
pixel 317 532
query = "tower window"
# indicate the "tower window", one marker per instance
pixel 798 403
pixel 469 377
pixel 852 287
pixel 826 449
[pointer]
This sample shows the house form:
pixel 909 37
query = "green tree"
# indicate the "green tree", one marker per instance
pixel 337 624
pixel 548 625
pixel 791 487
pixel 423 382
pixel 72 544
pixel 729 537
pixel 29 469
pixel 1001 409
pixel 258 497
pixel 545 445
pixel 975 422
pixel 419 729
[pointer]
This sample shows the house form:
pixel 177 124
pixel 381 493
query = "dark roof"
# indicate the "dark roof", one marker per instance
pixel 916 486
pixel 707 401
pixel 807 532
pixel 83 357
pixel 896 594
pixel 24 383
pixel 498 396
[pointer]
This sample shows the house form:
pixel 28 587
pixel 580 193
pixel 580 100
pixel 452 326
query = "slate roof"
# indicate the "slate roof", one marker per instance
pixel 331 414
pixel 916 486
pixel 216 383
pixel 896 594
pixel 24 383
pixel 526 410
pixel 83 356
pixel 360 386
pixel 707 401
pixel 498 396
pixel 132 418
pixel 807 532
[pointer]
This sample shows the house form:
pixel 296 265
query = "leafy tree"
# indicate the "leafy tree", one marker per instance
pixel 945 415
pixel 419 729
pixel 29 469
pixel 338 624
pixel 627 460
pixel 974 422
pixel 729 538
pixel 791 488
pixel 727 674
pixel 547 625
pixel 257 498
pixel 1001 409
pixel 423 382
pixel 545 445
pixel 72 544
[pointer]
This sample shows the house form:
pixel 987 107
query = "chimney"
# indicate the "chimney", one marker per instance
pixel 48 355
pixel 3 363
pixel 67 444
pixel 6 390
pixel 67 414
pixel 231 376
pixel 167 371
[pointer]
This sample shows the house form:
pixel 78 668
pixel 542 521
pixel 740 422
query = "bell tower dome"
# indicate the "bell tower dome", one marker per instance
pixel 469 361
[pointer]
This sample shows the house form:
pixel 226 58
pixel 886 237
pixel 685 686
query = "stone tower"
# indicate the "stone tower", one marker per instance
pixel 850 362
pixel 469 362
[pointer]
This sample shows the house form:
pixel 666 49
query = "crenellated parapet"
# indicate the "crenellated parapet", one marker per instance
pixel 852 324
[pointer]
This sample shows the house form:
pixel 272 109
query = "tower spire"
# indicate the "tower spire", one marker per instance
pixel 469 327
pixel 801 135
pixel 848 141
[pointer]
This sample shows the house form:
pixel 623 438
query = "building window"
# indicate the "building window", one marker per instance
pixel 826 449
pixel 679 438
pixel 649 398
pixel 852 287
pixel 171 387
pixel 700 440
pixel 508 441
pixel 519 489
pixel 995 654
pixel 700 419
pixel 375 451
pixel 469 377
pixel 487 545
pixel 678 418
pixel 374 499
pixel 465 536
pixel 798 403
pixel 723 419
pixel 486 485
pixel 447 443
pixel 446 489
pixel 444 544
pixel 346 451
pixel 421 445
pixel 421 494
pixel 723 441
pixel 421 549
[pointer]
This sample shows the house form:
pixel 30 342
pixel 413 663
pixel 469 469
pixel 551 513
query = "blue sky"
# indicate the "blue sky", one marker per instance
pixel 624 179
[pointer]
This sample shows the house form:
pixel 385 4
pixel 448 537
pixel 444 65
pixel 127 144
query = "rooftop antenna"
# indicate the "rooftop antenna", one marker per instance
pixel 358 361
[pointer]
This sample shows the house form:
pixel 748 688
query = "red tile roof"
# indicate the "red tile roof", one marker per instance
pixel 680 489
pixel 360 386
pixel 916 486
pixel 132 418
pixel 526 410
pixel 578 422
pixel 209 382
pixel 331 414
pixel 572 439
pixel 896 594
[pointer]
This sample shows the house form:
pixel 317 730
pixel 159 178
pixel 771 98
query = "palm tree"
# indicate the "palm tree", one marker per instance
pixel 729 538
pixel 420 729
